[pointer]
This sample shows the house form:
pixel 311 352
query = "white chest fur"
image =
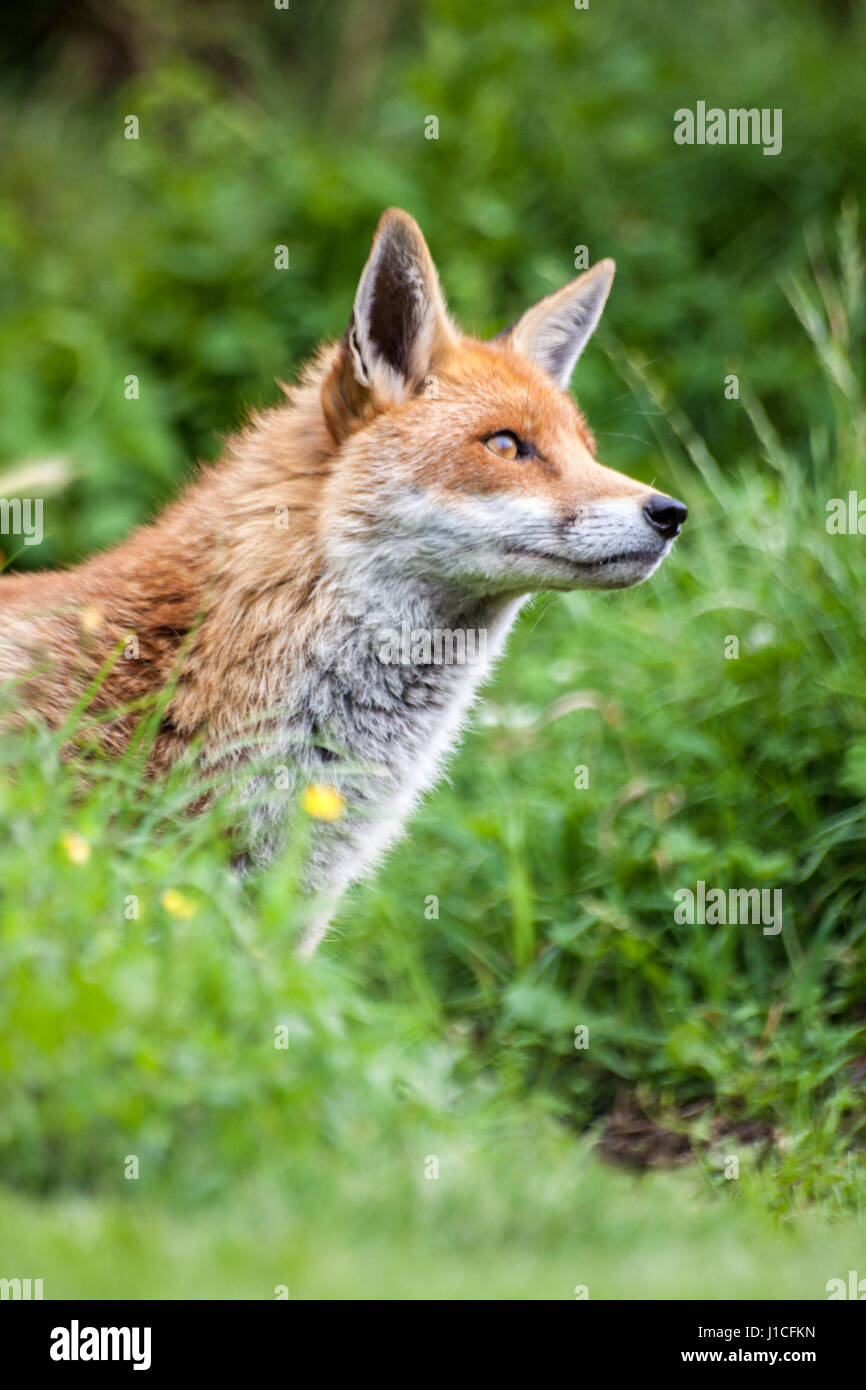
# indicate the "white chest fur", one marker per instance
pixel 373 710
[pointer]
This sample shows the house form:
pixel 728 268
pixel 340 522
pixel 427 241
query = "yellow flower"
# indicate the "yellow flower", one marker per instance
pixel 76 848
pixel 177 905
pixel 325 803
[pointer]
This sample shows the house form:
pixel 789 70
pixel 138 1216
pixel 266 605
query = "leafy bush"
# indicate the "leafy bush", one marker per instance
pixel 153 1035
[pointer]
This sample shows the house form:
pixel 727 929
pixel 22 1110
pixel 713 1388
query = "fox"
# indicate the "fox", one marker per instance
pixel 414 480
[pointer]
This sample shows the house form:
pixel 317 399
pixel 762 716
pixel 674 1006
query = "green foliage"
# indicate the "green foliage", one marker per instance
pixel 154 1035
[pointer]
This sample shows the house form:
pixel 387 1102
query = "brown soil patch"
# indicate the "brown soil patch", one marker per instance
pixel 633 1140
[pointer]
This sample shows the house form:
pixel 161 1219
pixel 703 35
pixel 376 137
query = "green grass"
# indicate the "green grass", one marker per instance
pixel 523 1220
pixel 142 987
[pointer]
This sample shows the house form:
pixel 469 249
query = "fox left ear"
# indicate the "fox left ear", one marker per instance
pixel 398 325
pixel 554 332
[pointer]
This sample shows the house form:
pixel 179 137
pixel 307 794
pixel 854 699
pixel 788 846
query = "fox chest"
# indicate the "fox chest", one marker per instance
pixel 373 713
pixel 377 726
pixel 384 728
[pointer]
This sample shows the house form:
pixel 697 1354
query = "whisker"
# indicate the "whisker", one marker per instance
pixel 618 434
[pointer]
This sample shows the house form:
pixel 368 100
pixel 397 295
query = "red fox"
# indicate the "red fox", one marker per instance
pixel 415 482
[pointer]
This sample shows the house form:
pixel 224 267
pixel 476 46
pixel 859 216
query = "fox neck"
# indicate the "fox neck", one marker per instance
pixel 387 674
pixel 373 706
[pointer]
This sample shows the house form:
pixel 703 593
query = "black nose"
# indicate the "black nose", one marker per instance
pixel 666 514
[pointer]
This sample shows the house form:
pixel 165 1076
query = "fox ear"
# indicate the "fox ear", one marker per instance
pixel 399 324
pixel 399 314
pixel 554 332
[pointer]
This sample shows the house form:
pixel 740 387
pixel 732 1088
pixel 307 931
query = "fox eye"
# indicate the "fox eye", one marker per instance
pixel 506 445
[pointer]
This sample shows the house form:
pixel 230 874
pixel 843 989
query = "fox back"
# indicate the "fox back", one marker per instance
pixel 322 604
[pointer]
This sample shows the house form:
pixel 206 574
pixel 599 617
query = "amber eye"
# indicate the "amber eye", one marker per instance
pixel 505 445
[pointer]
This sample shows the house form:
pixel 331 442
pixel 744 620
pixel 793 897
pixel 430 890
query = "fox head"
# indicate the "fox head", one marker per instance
pixel 467 463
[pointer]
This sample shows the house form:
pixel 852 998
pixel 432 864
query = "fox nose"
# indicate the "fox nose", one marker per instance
pixel 665 514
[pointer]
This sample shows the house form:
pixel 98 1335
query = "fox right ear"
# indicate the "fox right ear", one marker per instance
pixel 398 325
pixel 554 332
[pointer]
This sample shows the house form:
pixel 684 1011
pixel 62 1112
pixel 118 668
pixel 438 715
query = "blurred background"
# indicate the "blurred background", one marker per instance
pixel 261 127
pixel 453 1035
